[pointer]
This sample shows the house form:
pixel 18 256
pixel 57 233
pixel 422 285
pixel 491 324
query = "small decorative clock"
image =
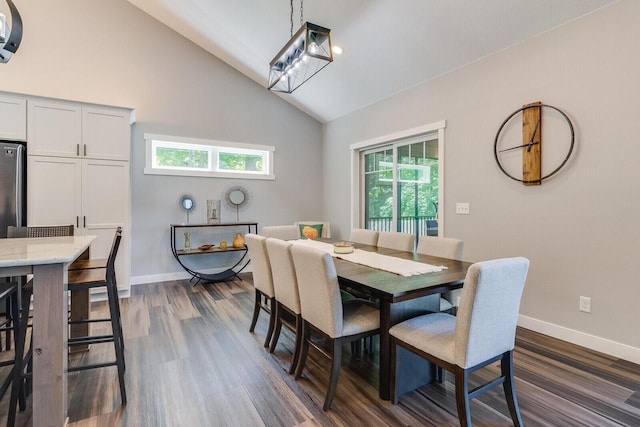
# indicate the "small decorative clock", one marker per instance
pixel 518 153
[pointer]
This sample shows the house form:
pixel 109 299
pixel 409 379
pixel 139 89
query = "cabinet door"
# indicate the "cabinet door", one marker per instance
pixel 105 206
pixel 13 118
pixel 53 191
pixel 54 128
pixel 106 133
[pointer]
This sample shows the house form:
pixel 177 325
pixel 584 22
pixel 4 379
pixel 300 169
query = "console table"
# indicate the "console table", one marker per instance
pixel 227 274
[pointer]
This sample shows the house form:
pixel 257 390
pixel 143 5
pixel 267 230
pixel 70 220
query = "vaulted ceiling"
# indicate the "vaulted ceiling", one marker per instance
pixel 389 45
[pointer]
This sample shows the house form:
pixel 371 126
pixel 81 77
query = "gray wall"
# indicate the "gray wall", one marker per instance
pixel 110 52
pixel 580 229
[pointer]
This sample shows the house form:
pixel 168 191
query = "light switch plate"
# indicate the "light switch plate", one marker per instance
pixel 462 208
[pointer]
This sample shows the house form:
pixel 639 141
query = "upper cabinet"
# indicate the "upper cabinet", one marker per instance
pixel 68 129
pixel 13 118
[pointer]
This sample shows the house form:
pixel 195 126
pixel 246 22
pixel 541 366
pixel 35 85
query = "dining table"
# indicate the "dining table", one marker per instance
pixel 47 258
pixel 401 298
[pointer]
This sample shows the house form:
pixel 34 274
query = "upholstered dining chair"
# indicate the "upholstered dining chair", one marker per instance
pixel 285 286
pixel 262 282
pixel 482 333
pixel 443 247
pixel 326 314
pixel 396 240
pixel 282 232
pixel 364 236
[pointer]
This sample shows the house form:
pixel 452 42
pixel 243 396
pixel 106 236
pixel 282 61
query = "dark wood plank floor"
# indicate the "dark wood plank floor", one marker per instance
pixel 191 361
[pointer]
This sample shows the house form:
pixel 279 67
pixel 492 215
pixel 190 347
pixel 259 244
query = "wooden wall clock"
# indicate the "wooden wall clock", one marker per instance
pixel 521 159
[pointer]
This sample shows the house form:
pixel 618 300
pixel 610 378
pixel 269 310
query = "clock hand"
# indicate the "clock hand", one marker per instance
pixel 533 135
pixel 529 144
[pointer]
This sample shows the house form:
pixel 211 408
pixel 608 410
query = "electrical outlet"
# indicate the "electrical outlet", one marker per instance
pixel 585 304
pixel 462 208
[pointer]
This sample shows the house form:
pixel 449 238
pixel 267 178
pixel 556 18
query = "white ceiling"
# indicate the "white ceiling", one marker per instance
pixel 389 45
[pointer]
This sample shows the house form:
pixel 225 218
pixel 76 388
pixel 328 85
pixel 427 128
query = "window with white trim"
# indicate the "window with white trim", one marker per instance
pixel 171 155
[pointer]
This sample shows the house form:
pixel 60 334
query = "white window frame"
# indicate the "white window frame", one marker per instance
pixel 213 147
pixel 357 212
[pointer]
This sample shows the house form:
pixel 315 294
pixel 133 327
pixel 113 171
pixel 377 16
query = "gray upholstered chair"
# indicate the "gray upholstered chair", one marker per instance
pixel 326 314
pixel 443 247
pixel 326 227
pixel 262 281
pixel 364 236
pixel 287 297
pixel 396 240
pixel 482 333
pixel 282 232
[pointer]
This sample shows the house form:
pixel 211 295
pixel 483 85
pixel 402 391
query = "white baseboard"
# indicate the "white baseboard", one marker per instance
pixel 603 345
pixel 165 277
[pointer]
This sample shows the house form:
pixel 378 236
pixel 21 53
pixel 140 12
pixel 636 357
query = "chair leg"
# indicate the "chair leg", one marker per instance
pixel 506 366
pixel 462 396
pixel 112 295
pixel 438 374
pixel 256 311
pixel 298 344
pixel 304 350
pixel 336 362
pixel 392 359
pixel 272 321
pixel 278 327
pixel 20 332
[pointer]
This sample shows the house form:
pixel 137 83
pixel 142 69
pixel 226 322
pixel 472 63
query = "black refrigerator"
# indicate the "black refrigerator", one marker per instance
pixel 13 185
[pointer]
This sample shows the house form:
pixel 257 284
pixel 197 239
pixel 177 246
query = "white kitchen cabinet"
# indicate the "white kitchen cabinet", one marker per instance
pixel 92 194
pixel 13 118
pixel 70 129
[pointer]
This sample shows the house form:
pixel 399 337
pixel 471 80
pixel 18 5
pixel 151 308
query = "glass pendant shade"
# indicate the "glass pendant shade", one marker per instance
pixel 308 52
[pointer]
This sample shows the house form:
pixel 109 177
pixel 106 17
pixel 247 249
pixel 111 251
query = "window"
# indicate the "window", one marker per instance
pixel 170 155
pixel 411 169
pixel 398 181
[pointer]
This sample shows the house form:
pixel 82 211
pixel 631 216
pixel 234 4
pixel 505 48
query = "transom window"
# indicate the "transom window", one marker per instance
pixel 170 155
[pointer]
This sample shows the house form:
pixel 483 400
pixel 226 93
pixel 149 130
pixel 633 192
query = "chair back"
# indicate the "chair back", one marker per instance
pixel 282 232
pixel 326 227
pixel 488 312
pixel 364 236
pixel 320 301
pixel 40 231
pixel 285 284
pixel 262 279
pixel 111 261
pixel 443 247
pixel 396 240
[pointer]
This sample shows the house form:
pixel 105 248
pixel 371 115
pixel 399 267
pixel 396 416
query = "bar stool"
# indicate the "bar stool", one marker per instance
pixel 102 277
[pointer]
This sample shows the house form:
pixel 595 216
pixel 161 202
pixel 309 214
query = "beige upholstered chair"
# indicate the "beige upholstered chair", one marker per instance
pixel 482 333
pixel 285 286
pixel 282 232
pixel 364 236
pixel 443 247
pixel 326 227
pixel 325 313
pixel 262 281
pixel 396 240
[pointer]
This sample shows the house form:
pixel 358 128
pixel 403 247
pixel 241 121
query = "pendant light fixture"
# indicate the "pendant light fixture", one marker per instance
pixel 307 52
pixel 10 38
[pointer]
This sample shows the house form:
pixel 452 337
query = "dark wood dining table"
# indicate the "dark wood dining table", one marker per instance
pixel 401 298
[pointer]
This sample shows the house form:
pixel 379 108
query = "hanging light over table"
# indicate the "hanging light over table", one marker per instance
pixel 308 52
pixel 10 38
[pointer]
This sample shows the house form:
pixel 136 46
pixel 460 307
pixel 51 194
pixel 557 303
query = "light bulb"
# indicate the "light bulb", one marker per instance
pixel 313 47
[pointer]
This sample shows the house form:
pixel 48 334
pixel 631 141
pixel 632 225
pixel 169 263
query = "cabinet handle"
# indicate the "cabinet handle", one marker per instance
pixel 78 150
pixel 77 222
pixel 85 149
pixel 84 221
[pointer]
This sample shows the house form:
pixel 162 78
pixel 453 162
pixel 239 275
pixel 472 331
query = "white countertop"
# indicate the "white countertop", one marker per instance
pixel 42 250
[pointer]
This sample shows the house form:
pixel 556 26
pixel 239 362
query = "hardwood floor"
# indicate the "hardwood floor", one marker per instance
pixel 191 361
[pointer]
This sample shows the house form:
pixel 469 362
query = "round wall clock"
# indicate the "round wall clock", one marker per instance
pixel 518 150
